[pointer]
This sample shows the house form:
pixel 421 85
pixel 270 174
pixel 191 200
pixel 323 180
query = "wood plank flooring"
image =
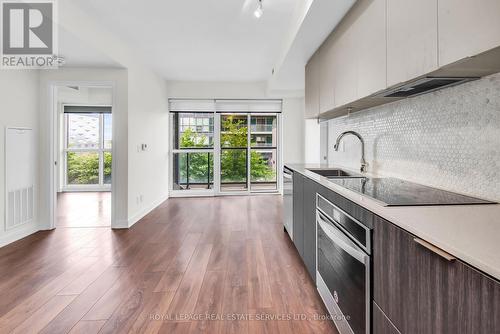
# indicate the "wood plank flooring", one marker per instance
pixel 84 209
pixel 193 265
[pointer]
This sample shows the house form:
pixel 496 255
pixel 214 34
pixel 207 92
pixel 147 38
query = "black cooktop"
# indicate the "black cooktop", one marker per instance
pixel 396 192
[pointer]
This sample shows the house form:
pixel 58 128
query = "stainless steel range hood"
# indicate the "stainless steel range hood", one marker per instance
pixel 464 70
pixel 422 86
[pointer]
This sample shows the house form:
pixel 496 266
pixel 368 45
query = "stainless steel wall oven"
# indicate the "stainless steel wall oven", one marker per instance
pixel 343 267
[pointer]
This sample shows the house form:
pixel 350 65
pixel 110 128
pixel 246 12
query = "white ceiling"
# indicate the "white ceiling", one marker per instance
pixel 77 53
pixel 213 40
pixel 322 17
pixel 216 40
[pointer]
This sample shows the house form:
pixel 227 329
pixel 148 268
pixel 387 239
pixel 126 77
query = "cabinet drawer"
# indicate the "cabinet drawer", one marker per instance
pixel 423 292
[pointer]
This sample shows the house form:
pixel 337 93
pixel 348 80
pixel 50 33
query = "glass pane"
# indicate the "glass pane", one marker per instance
pixel 193 170
pixel 108 159
pixel 234 131
pixel 233 169
pixel 108 131
pixel 83 131
pixel 194 130
pixel 263 169
pixel 263 131
pixel 82 168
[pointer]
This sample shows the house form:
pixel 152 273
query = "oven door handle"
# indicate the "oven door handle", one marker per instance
pixel 341 240
pixel 287 176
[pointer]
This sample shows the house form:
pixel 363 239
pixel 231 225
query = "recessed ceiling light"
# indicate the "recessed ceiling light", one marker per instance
pixel 259 11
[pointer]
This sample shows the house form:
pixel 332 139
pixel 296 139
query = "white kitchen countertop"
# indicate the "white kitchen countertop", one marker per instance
pixel 471 233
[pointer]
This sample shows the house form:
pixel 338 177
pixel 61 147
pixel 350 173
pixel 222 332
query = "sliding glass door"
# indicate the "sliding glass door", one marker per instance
pixel 219 152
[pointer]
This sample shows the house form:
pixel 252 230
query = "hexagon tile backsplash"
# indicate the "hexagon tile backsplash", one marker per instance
pixel 449 139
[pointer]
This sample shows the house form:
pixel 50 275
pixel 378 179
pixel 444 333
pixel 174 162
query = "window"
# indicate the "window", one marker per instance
pixel 231 149
pixel 87 148
pixel 193 151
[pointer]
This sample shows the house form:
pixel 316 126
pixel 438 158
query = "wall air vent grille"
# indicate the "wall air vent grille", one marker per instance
pixel 20 207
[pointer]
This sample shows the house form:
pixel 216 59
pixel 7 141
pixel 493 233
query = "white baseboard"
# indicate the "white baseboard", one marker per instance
pixel 139 215
pixel 8 237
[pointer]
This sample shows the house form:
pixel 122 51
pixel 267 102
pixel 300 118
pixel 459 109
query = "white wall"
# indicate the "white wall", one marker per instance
pixel 119 79
pixel 292 113
pixel 19 107
pixel 85 95
pixel 312 145
pixel 143 115
pixel 140 115
pixel 148 171
pixel 293 130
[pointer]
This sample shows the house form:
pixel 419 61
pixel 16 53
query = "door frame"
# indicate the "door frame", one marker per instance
pixel 54 144
pixel 65 187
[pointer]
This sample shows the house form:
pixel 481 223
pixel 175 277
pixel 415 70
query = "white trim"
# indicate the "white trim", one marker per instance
pixel 18 233
pixel 142 213
pixel 101 186
pixel 217 154
pixel 83 189
pixel 52 116
pixel 191 193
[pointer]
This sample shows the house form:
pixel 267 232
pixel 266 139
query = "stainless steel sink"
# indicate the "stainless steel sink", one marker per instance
pixel 335 173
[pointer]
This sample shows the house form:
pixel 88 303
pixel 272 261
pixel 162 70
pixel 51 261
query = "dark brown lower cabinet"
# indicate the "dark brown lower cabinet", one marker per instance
pixel 422 292
pixel 382 325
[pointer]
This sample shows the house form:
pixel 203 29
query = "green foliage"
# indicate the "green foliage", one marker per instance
pixel 198 162
pixel 108 160
pixel 191 139
pixel 233 162
pixel 83 168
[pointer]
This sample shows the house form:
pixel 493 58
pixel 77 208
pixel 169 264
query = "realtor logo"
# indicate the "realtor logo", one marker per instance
pixel 28 34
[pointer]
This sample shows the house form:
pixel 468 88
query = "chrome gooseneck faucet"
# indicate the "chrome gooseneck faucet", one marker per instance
pixel 339 138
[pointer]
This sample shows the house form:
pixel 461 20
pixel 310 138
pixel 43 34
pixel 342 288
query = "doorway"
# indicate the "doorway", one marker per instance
pixel 84 158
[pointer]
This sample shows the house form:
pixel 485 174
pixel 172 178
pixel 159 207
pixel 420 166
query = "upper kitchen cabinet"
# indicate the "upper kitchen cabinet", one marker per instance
pixel 326 77
pixel 412 38
pixel 353 58
pixel 344 67
pixel 312 86
pixel 369 31
pixel 467 28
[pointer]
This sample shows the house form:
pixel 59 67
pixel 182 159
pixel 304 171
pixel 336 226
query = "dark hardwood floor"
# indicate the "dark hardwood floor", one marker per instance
pixel 196 265
pixel 84 209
